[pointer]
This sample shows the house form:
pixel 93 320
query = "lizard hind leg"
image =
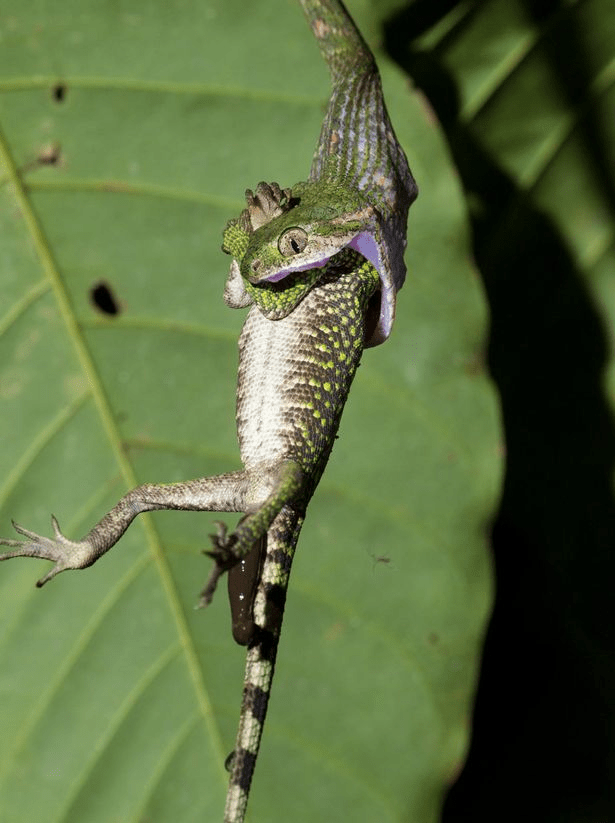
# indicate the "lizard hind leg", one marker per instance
pixel 272 486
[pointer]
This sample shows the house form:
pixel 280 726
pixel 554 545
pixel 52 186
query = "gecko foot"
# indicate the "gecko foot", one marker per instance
pixel 65 553
pixel 224 559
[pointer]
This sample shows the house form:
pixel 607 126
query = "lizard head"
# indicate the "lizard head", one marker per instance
pixel 284 240
pixel 310 228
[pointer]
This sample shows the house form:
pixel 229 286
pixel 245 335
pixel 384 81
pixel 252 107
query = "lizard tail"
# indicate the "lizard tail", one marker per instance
pixel 260 661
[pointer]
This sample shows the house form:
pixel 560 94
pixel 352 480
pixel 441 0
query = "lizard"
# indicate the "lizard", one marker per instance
pixel 319 266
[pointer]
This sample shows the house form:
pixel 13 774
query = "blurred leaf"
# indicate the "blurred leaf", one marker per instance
pixel 128 138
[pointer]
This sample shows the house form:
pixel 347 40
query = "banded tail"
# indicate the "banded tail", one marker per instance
pixel 260 660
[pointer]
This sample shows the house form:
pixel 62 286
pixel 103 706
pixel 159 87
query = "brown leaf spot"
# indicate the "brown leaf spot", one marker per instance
pixel 50 155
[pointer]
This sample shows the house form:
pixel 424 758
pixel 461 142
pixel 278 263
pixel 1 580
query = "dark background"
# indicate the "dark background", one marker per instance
pixel 542 743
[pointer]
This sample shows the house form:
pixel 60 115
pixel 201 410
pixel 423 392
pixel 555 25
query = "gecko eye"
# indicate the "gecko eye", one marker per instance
pixel 292 241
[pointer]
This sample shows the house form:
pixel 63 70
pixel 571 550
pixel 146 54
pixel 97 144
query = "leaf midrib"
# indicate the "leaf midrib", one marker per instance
pixel 52 274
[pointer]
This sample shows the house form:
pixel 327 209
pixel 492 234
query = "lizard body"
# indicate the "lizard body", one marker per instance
pixel 319 265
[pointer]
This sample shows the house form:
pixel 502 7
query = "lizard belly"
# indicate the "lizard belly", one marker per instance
pixel 265 369
pixel 306 363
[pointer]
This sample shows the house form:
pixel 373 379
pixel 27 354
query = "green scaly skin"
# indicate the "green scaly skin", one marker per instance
pixel 320 266
pixel 319 346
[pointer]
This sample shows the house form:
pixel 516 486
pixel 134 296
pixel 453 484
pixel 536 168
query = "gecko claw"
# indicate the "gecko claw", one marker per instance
pixel 64 553
pixel 32 536
pixel 224 559
pixel 223 544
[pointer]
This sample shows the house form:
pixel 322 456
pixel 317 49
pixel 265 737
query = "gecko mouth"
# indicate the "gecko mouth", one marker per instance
pixel 363 242
pixel 335 265
pixel 276 299
pixel 286 280
pixel 285 274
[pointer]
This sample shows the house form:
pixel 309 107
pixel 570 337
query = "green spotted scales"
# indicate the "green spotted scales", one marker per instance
pixel 319 266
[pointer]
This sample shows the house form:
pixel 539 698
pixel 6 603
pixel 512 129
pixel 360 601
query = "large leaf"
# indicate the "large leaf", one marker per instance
pixel 526 90
pixel 129 133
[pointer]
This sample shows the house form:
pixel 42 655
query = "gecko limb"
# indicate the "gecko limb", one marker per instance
pixel 261 491
pixel 285 480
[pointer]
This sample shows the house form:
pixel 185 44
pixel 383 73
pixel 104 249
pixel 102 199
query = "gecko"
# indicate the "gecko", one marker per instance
pixel 318 266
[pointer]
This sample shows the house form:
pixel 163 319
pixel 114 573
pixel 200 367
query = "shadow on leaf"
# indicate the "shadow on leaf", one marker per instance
pixel 542 745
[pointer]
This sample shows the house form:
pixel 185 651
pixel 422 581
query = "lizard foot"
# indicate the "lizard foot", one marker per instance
pixel 66 554
pixel 224 557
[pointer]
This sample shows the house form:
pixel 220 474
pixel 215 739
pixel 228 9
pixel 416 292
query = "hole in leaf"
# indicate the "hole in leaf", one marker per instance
pixel 58 92
pixel 104 300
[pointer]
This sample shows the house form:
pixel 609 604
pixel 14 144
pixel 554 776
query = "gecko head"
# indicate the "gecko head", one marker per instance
pixel 287 255
pixel 314 225
pixel 287 240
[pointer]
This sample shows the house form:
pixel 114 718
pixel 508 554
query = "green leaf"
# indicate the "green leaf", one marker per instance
pixel 127 139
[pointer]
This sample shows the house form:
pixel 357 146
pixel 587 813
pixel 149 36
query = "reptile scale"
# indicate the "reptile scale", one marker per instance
pixel 319 265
